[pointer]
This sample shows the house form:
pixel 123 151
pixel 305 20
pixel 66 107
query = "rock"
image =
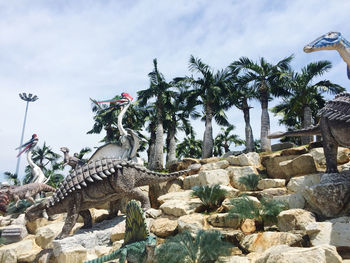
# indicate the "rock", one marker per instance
pixel 284 253
pixel 298 184
pixel 210 160
pixel 13 233
pixel 234 259
pixel 329 197
pixel 5 220
pixel 294 219
pixel 272 164
pixel 248 226
pixel 32 226
pixel 303 164
pixel 183 165
pixel 180 207
pixel 118 232
pixel 223 220
pixel 237 172
pixel 294 151
pixel 74 254
pixel 21 251
pixel 335 232
pixel 261 241
pixel 20 220
pixel 212 177
pixel 229 153
pixel 295 200
pixel 271 183
pixel 281 146
pixel 248 159
pixel 192 223
pixel 215 166
pixel 45 234
pixel 98 215
pixel 231 192
pixel 274 192
pixel 157 190
pixel 183 195
pixel 153 213
pixel 320 160
pixel 164 227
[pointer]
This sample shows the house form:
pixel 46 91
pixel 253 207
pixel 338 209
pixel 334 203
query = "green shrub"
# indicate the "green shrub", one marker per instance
pixel 211 196
pixel 266 212
pixel 206 247
pixel 244 208
pixel 250 181
pixel 271 208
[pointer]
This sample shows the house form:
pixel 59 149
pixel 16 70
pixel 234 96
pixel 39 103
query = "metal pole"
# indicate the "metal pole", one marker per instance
pixel 21 142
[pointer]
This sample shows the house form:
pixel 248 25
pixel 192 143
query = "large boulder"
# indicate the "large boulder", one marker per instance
pixel 180 207
pixel 215 166
pixel 335 232
pixel 245 159
pixel 70 254
pixel 295 200
pixel 271 183
pixel 299 183
pixel 182 195
pixel 272 164
pixel 235 173
pixel 284 253
pixel 330 197
pixel 207 177
pixel 163 227
pixel 281 146
pixel 294 219
pixel 301 165
pixel 22 251
pixel 45 234
pixel 192 223
pixel 223 220
pixel 259 242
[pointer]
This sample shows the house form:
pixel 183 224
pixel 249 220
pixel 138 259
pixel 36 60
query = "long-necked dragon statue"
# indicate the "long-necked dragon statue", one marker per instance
pixel 332 41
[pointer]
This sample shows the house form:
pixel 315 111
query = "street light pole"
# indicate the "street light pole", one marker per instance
pixel 29 98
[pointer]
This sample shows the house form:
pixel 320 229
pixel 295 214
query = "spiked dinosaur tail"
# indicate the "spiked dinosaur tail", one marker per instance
pixel 313 130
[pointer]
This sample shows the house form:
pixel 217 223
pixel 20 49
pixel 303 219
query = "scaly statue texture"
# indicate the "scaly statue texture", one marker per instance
pixel 96 183
pixel 139 245
pixel 37 175
pixel 332 41
pixel 16 193
pixel 334 126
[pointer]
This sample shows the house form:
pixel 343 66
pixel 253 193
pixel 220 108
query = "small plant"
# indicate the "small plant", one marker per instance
pixel 244 208
pixel 250 181
pixel 266 212
pixel 206 247
pixel 211 196
pixel 271 208
pixel 20 208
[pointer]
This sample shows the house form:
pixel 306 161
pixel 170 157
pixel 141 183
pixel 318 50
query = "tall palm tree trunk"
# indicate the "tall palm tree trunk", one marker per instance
pixel 307 121
pixel 208 141
pixel 249 139
pixel 171 145
pixel 265 122
pixel 157 160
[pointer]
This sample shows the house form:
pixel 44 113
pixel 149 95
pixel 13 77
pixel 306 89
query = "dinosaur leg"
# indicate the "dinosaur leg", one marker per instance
pixel 72 216
pixel 114 207
pixel 330 147
pixel 139 195
pixel 87 218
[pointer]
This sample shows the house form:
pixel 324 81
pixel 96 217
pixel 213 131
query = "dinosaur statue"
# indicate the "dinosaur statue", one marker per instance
pixel 332 41
pixel 139 245
pixel 129 141
pixel 96 183
pixel 334 126
pixel 16 193
pixel 72 161
pixel 38 175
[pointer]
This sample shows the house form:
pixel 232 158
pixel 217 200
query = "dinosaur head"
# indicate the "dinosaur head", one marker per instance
pixel 329 41
pixel 64 149
pixel 35 211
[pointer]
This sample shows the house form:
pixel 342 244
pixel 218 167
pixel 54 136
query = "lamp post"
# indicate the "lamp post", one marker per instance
pixel 28 98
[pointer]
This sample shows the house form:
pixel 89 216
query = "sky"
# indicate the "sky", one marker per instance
pixel 67 52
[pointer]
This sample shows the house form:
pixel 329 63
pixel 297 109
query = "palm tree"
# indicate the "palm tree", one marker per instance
pixel 225 139
pixel 305 97
pixel 208 91
pixel 13 178
pixel 82 153
pixel 239 93
pixel 190 147
pixel 158 89
pixel 177 114
pixel 267 79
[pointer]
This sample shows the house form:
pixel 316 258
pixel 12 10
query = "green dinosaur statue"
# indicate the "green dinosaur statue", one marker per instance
pixel 139 245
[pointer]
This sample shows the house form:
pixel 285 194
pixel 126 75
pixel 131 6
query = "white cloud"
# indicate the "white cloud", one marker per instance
pixel 69 51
